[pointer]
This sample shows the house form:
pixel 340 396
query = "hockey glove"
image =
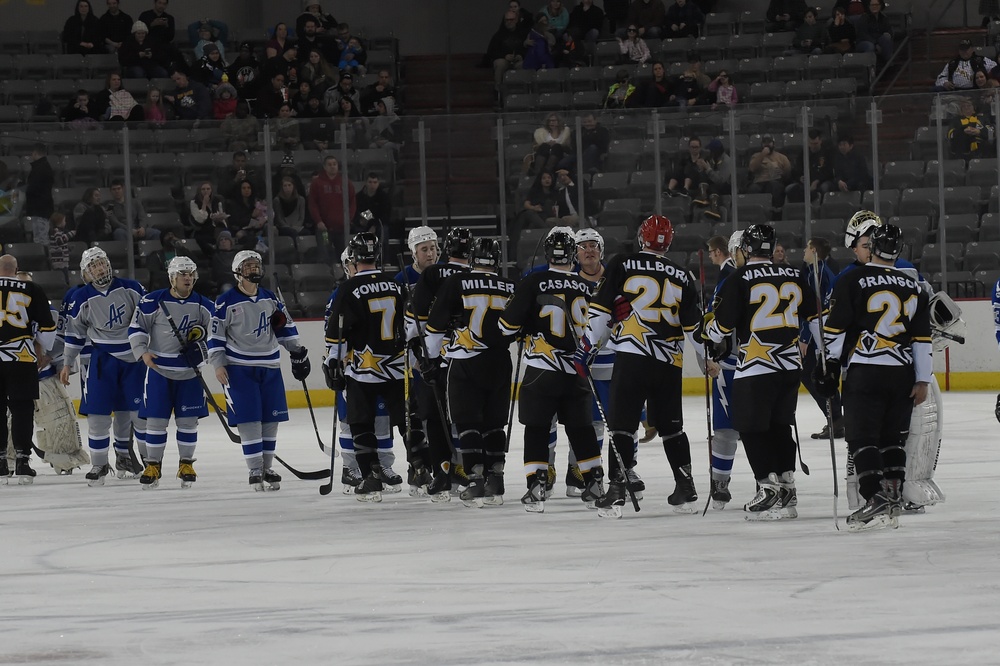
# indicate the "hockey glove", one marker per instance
pixel 300 363
pixel 720 350
pixel 827 383
pixel 996 410
pixel 583 357
pixel 433 370
pixel 622 309
pixel 278 320
pixel 701 333
pixel 416 347
pixel 334 376
pixel 194 353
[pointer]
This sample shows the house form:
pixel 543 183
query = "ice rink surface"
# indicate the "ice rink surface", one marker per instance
pixel 218 574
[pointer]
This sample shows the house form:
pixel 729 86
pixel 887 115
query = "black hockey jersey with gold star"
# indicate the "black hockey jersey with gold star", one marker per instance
pixel 469 304
pixel 371 304
pixel 25 313
pixel 763 303
pixel 880 316
pixel 551 339
pixel 424 293
pixel 664 307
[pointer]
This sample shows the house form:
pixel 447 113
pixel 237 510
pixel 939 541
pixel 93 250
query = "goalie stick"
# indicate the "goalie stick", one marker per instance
pixel 829 401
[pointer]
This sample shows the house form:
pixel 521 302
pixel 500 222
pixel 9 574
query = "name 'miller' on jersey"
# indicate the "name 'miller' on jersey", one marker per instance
pixel 151 332
pixel 103 319
pixel 371 306
pixel 468 306
pixel 242 332
pixel 24 313
pixel 551 338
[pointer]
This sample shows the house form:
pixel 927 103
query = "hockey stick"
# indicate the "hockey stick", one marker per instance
pixel 517 378
pixel 708 383
pixel 233 437
pixel 305 389
pixel 551 299
pixel 798 447
pixel 305 476
pixel 326 488
pixel 829 401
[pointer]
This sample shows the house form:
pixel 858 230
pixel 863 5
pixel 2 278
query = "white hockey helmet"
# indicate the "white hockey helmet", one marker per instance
pixel 735 241
pixel 242 257
pixel 96 267
pixel 861 224
pixel 590 235
pixel 179 265
pixel 420 235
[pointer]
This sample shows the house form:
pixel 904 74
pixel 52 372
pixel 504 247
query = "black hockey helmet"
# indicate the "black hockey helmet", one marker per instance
pixel 758 240
pixel 365 248
pixel 485 252
pixel 560 246
pixel 887 242
pixel 458 244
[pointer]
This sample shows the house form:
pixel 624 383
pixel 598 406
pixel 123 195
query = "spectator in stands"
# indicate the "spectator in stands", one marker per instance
pixel 287 170
pixel 92 221
pixel 269 101
pixel 160 23
pixel 309 39
pixel 570 53
pixel 208 216
pixel 285 63
pixel 320 132
pixel 714 171
pixel 114 102
pixel 82 31
pixel 960 72
pixel 244 73
pixel 874 32
pixel 354 56
pixel 374 211
pixel 621 94
pixel 853 9
pixel 810 36
pixel 154 111
pixel 38 205
pixel 552 143
pixel 158 260
pixel 778 255
pixel 381 88
pixel 289 208
pixel 348 119
pixel 617 13
pixel 231 176
pixel 648 18
pixel 116 26
pixel 586 21
pixel 326 204
pixel 568 201
pixel 656 92
pixel 840 34
pixel 558 17
pixel 595 140
pixel 970 136
pixel 141 229
pixel 539 45
pixel 769 170
pixel 506 49
pixel 58 243
pixel 325 23
pixel 539 208
pixel 784 15
pixel 633 48
pixel 320 74
pixel 286 130
pixel 247 216
pixel 190 99
pixel 300 97
pixel 142 57
pixel 225 101
pixel 691 86
pixel 208 31
pixel 383 132
pixel 343 90
pixel 683 179
pixel 683 19
pixel 820 171
pixel 524 16
pixel 724 89
pixel 79 111
pixel 850 171
pixel 222 262
pixel 279 42
pixel 211 68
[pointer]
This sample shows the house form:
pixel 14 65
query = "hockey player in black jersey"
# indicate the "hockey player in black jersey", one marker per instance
pixel 466 311
pixel 551 386
pixel 879 329
pixel 643 309
pixel 431 398
pixel 763 303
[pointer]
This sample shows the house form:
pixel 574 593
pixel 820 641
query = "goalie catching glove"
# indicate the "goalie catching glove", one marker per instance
pixel 996 410
pixel 300 363
pixel 827 383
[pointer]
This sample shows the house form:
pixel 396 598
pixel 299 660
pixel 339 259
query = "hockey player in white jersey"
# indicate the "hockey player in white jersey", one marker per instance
pixel 248 325
pixel 171 385
pixel 100 313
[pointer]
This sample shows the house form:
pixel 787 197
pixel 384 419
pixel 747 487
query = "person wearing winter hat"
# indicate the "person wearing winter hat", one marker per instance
pixel 244 73
pixel 208 31
pixel 142 57
pixel 210 70
pixel 325 23
pixel 224 104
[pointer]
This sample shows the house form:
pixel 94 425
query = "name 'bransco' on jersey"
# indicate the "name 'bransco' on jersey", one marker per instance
pixel 885 280
pixel 644 264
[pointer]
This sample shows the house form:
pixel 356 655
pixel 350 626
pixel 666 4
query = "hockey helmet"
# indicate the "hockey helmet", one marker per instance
pixel 256 272
pixel 180 265
pixel 887 242
pixel 346 257
pixel 96 267
pixel 656 233
pixel 458 244
pixel 560 247
pixel 735 241
pixel 420 235
pixel 590 236
pixel 365 248
pixel 758 240
pixel 485 252
pixel 861 224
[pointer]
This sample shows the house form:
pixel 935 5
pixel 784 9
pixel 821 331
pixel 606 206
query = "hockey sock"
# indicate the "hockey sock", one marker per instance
pixel 156 439
pixel 99 437
pixel 365 447
pixel 756 445
pixel 438 441
pixel 269 437
pixel 253 444
pixel 894 461
pixel 678 451
pixel 471 441
pixel 386 456
pixel 868 464
pixel 139 428
pixel 724 444
pixel 782 448
pixel 350 458
pixel 626 449
pixel 22 424
pixel 187 436
pixel 122 426
pixel 536 450
pixel 599 432
pixel 583 441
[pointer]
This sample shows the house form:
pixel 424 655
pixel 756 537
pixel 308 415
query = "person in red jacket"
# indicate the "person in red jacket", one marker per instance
pixel 326 205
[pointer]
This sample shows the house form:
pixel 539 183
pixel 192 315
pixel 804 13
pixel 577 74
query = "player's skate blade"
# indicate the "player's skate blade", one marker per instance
pixel 439 489
pixel 186 473
pixel 391 482
pixel 370 490
pixel 97 475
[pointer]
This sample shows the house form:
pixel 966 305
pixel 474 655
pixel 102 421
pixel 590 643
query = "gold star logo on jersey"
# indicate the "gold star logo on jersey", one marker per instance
pixel 632 327
pixel 883 343
pixel 24 355
pixel 465 340
pixel 541 347
pixel 755 350
pixel 368 361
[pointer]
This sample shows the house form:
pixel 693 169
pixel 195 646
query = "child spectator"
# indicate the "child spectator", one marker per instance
pixel 224 104
pixel 59 238
pixel 725 91
pixel 348 57
pixel 211 69
pixel 154 110
pixel 540 42
pixel 633 48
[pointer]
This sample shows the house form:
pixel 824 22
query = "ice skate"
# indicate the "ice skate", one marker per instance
pixel 876 514
pixel 534 499
pixel 550 481
pixel 369 490
pixel 391 482
pixel 25 475
pixel 474 493
pixel 493 489
pixel 257 479
pixel 4 471
pixel 459 479
pixel 272 480
pixel 97 475
pixel 635 483
pixel 685 496
pixel 185 472
pixel 789 497
pixel 574 481
pixel 893 492
pixel 150 476
pixel 720 493
pixel 419 478
pixel 439 489
pixel 594 489
pixel 126 466
pixel 838 430
pixel 766 504
pixel 350 477
pixel 612 503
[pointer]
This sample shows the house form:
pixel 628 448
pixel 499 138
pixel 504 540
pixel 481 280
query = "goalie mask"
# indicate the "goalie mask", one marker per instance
pixel 590 236
pixel 182 266
pixel 947 325
pixel 560 248
pixel 861 224
pixel 248 265
pixel 96 268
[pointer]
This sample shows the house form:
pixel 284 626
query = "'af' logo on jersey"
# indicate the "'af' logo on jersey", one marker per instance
pixel 262 325
pixel 116 316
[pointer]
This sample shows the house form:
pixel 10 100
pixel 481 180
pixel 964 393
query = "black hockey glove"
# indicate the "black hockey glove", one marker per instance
pixel 433 370
pixel 334 376
pixel 278 320
pixel 996 410
pixel 194 353
pixel 827 383
pixel 300 363
pixel 417 348
pixel 720 350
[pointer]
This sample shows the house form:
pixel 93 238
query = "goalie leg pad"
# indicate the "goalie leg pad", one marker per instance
pixel 922 448
pixel 58 428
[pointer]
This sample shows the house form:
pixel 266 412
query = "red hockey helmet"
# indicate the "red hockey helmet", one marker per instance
pixel 656 233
